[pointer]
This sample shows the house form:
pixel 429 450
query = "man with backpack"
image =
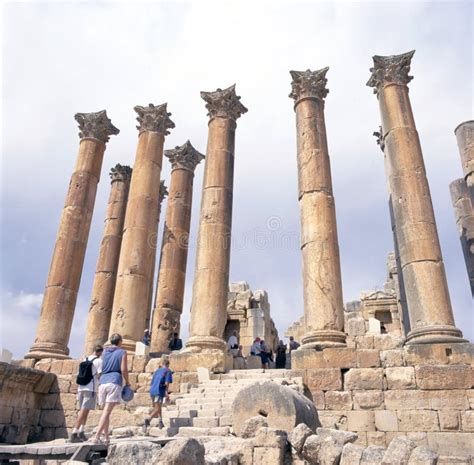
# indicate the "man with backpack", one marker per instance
pixel 87 386
pixel 160 382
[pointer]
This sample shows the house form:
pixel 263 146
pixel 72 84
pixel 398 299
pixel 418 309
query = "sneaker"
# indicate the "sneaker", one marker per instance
pixel 161 425
pixel 74 437
pixel 82 436
pixel 146 425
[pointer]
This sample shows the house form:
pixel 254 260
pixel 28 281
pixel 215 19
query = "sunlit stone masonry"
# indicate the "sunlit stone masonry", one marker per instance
pixel 323 304
pixel 465 137
pixel 137 256
pixel 100 311
pixel 429 305
pixel 209 302
pixel 174 250
pixel 60 295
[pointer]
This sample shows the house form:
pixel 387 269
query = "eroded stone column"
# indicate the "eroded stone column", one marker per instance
pixel 174 250
pixel 100 311
pixel 211 279
pixel 429 305
pixel 137 256
pixel 59 301
pixel 465 222
pixel 465 136
pixel 322 287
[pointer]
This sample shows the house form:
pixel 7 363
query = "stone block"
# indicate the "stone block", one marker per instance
pixel 141 349
pixel 333 419
pixel 307 359
pixel 44 385
pixel 386 420
pixel 362 420
pixel 67 401
pixel 324 379
pixel 444 377
pixel 153 365
pixel 338 400
pixel 362 438
pixel 363 379
pixel 5 414
pixel 398 452
pixel 367 400
pixel 216 361
pixel 70 367
pixel 340 357
pixel 376 438
pixel 270 437
pixel 455 399
pixel 365 342
pixel 355 327
pixel 426 354
pixel 372 455
pixel 351 454
pixel 467 420
pixel 400 377
pixel 52 418
pixel 43 365
pixel 455 443
pixel 205 422
pixel 139 364
pixel 470 398
pixel 267 456
pixel 368 358
pixel 388 341
pixel 392 358
pixel 374 326
pixel 298 436
pixel 407 400
pixel 317 398
pixel 56 367
pixel 449 420
pixel 252 425
pixel 418 437
pixel 423 455
pixel 417 420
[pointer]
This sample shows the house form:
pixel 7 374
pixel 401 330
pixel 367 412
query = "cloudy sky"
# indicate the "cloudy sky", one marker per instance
pixel 60 58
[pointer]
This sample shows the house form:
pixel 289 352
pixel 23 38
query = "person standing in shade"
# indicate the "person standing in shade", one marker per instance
pixel 233 344
pixel 175 343
pixel 264 354
pixel 293 345
pixel 114 373
pixel 87 387
pixel 146 337
pixel 280 360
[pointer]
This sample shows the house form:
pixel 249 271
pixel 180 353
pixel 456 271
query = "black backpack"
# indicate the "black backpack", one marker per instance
pixel 85 376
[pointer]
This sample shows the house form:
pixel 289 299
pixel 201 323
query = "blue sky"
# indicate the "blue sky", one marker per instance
pixel 59 58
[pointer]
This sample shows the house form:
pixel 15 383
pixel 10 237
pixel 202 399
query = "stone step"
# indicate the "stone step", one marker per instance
pixel 205 422
pixel 192 431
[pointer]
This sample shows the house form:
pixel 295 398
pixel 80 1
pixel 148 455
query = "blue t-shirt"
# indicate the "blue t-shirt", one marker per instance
pixel 111 365
pixel 160 377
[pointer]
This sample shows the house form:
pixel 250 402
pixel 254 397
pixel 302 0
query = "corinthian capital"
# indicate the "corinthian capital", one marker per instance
pixel 184 156
pixel 224 103
pixel 95 126
pixel 120 173
pixel 309 84
pixel 163 191
pixel 392 69
pixel 154 119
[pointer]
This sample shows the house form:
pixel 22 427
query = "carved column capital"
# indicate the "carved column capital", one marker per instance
pixel 379 135
pixel 163 192
pixel 309 84
pixel 223 103
pixel 120 173
pixel 391 69
pixel 184 156
pixel 154 118
pixel 95 126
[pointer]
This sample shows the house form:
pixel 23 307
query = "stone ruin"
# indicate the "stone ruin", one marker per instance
pixel 385 380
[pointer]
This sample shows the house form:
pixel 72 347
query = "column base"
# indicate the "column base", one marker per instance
pixel 216 361
pixel 40 350
pixel 129 345
pixel 203 343
pixel 435 334
pixel 321 339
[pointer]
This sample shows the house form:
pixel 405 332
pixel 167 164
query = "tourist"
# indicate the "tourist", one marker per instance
pixel 159 391
pixel 255 349
pixel 280 361
pixel 233 344
pixel 264 354
pixel 293 345
pixel 114 373
pixel 175 343
pixel 146 337
pixel 87 387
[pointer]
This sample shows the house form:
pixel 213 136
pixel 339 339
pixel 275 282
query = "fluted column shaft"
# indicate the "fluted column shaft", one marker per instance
pixel 135 269
pixel 322 287
pixel 429 305
pixel 59 300
pixel 174 251
pixel 100 311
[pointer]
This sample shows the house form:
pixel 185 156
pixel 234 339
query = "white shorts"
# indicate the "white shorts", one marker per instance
pixel 109 393
pixel 86 400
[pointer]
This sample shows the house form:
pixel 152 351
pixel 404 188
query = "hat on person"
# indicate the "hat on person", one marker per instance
pixel 127 394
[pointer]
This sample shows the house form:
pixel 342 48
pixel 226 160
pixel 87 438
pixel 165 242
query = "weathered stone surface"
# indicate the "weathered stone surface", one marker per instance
pixel 392 357
pixel 417 420
pixel 284 408
pixel 355 327
pixel 215 361
pixel 311 449
pixel 400 378
pixel 449 420
pixel 134 453
pixel 367 400
pixel 363 378
pixel 368 358
pixel 386 420
pixel 351 454
pixel 467 420
pixel 398 451
pixel 455 444
pixel 360 420
pixel 183 451
pixel 444 377
pixel 407 400
pixel 388 341
pixel 338 400
pixel 328 379
pixel 252 425
pixel 333 419
pixel 298 436
pixel 423 455
pixel 340 357
pixel 372 455
pixel 341 437
pixel 376 438
pixel 448 399
pixel 270 437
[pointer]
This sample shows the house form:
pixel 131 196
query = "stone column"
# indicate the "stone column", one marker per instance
pixel 465 136
pixel 59 301
pixel 137 256
pixel 322 287
pixel 429 305
pixel 100 311
pixel 211 278
pixel 174 249
pixel 465 222
pixel 163 194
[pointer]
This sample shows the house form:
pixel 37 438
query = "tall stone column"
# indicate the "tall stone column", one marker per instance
pixel 465 222
pixel 174 250
pixel 137 256
pixel 59 301
pixel 322 287
pixel 429 305
pixel 465 136
pixel 211 278
pixel 100 311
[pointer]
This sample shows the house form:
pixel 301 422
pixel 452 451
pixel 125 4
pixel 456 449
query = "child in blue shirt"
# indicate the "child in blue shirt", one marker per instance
pixel 160 382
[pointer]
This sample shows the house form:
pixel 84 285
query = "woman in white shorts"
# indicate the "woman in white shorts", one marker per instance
pixel 114 373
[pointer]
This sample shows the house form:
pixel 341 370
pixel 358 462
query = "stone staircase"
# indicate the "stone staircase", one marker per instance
pixel 206 408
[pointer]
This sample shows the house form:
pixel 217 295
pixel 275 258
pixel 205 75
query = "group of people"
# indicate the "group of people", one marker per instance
pixel 103 381
pixel 175 342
